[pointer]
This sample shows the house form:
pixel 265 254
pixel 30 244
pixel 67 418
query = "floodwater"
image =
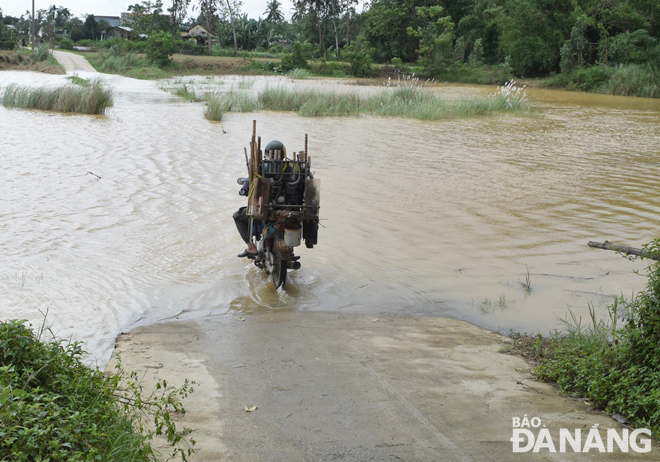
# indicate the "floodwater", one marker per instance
pixel 109 222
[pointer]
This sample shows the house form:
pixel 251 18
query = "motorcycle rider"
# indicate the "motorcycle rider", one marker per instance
pixel 240 216
pixel 243 223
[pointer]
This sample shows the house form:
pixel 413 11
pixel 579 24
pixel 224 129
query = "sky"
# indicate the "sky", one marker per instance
pixel 81 8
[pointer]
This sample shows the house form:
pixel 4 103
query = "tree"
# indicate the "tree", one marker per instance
pixel 178 11
pixel 231 9
pixel 532 33
pixel 387 28
pixel 148 17
pixel 435 36
pixel 274 11
pixel 208 10
pixel 91 28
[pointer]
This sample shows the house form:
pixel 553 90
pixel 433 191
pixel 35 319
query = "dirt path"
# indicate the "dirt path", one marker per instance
pixel 331 386
pixel 72 62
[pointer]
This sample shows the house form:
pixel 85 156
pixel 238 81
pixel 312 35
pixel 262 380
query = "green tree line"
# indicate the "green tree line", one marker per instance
pixel 527 38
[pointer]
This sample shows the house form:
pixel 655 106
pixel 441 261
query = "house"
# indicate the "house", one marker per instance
pixel 113 21
pixel 199 34
pixel 126 18
pixel 118 32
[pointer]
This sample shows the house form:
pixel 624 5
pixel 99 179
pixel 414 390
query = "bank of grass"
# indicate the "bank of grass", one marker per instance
pixel 115 60
pixel 53 407
pixel 614 364
pixel 641 80
pixel 407 102
pixel 94 98
pixel 40 60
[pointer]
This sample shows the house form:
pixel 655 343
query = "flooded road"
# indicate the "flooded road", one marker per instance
pixel 109 222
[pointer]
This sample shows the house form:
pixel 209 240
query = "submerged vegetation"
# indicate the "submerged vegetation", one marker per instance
pixel 407 102
pixel 614 364
pixel 232 101
pixel 94 98
pixel 53 407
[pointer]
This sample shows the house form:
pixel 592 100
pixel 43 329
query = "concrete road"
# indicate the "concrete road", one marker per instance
pixel 351 387
pixel 72 62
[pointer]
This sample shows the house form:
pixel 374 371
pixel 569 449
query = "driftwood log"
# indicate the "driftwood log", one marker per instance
pixel 624 249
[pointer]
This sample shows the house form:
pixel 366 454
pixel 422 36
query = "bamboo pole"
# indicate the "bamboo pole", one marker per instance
pixel 624 249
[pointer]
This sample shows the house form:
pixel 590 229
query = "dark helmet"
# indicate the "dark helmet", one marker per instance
pixel 274 146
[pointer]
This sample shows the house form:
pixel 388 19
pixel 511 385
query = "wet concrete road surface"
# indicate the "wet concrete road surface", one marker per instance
pixel 354 387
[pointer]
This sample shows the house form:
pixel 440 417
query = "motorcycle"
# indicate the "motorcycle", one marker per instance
pixel 283 205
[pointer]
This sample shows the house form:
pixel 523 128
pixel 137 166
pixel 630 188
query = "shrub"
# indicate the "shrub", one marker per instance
pixel 615 367
pixel 66 44
pixel 42 53
pixel 591 78
pixel 160 48
pixel 298 56
pixel 7 45
pixel 360 60
pixel 191 48
pixel 53 407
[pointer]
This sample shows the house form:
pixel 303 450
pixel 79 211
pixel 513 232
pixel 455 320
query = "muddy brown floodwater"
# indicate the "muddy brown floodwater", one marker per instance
pixel 109 222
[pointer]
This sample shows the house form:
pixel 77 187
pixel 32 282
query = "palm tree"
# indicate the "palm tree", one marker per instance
pixel 274 11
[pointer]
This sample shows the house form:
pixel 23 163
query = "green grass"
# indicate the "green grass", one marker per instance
pixel 613 363
pixel 407 102
pixel 187 94
pixel 78 80
pixel 53 407
pixel 94 98
pixel 233 101
pixel 634 80
pixel 625 80
pixel 527 283
pixel 245 84
pixel 299 74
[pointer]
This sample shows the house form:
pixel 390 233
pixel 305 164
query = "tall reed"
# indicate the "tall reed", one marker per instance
pixel 92 99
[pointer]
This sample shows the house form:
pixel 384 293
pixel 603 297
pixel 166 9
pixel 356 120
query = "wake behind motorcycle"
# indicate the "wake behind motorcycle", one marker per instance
pixel 283 205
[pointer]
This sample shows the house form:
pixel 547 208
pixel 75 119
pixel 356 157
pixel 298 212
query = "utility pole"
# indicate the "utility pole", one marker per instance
pixel 32 31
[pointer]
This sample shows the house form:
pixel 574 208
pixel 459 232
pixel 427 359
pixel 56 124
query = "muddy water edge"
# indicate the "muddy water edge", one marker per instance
pixel 109 222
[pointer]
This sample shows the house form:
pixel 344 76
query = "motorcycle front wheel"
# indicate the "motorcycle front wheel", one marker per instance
pixel 279 270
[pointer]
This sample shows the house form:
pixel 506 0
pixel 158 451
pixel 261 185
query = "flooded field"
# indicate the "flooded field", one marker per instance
pixel 113 221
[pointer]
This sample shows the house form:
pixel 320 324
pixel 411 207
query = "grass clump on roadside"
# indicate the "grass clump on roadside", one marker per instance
pixel 616 367
pixel 119 60
pixel 94 98
pixel 53 407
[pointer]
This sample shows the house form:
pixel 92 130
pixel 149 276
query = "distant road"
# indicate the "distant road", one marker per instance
pixel 72 62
